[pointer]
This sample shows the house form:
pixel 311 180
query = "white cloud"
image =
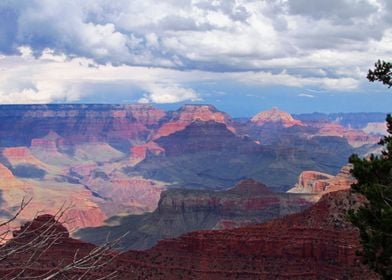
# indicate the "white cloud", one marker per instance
pixel 53 78
pixel 161 93
pixel 218 35
pixel 323 44
pixel 306 95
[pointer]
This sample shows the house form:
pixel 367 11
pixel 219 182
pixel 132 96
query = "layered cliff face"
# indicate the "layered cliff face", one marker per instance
pixel 41 247
pixel 356 137
pixel 207 154
pixel 201 136
pixel 112 159
pixel 275 116
pixel 181 211
pixel 26 176
pixel 284 125
pixel 77 123
pixel 320 183
pixel 187 114
pixel 316 244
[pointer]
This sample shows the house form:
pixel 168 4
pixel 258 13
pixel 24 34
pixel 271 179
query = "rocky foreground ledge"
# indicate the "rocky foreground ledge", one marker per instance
pixel 318 243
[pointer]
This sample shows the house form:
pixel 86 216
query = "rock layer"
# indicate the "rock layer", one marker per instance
pixel 181 211
pixel 320 183
pixel 316 244
pixel 275 116
pixel 187 114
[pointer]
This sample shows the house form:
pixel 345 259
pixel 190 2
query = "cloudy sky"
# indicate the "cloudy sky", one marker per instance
pixel 241 55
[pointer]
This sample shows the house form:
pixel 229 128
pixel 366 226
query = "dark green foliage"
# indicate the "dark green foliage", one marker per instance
pixel 374 219
pixel 382 72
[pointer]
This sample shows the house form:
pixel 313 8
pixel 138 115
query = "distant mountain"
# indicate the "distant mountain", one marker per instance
pixel 275 116
pixel 207 154
pixel 352 120
pixel 76 124
pixel 180 211
pixel 118 159
pixel 187 114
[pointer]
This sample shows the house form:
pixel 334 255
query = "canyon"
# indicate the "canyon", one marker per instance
pixel 182 210
pixel 184 186
pixel 118 160
pixel 318 243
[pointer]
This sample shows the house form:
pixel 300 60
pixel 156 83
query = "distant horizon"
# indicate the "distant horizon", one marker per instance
pixel 177 106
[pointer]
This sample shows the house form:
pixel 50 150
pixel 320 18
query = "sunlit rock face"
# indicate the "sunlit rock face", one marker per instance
pixel 180 119
pixel 180 211
pixel 117 159
pixel 320 183
pixel 316 244
pixel 275 116
pixel 77 123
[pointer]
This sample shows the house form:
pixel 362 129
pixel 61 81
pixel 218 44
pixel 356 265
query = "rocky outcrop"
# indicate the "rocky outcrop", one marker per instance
pixel 5 173
pixel 180 119
pixel 313 181
pixel 180 211
pixel 320 183
pixel 124 195
pixel 355 137
pixel 316 244
pixel 77 123
pixel 275 116
pixel 43 246
pixel 377 128
pixel 139 152
pixel 205 136
pixel 17 153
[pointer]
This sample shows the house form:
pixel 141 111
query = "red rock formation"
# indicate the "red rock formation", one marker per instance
pixel 316 244
pixel 318 182
pixel 180 211
pixel 46 242
pixel 190 113
pixel 78 123
pixel 275 116
pixel 355 137
pixel 132 195
pixel 39 226
pixel 5 173
pixel 249 198
pixel 48 143
pixel 146 114
pixel 46 196
pixel 16 153
pixel 139 152
pixel 378 128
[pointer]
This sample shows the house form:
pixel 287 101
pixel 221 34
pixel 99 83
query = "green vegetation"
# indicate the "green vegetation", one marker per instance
pixel 374 176
pixel 382 73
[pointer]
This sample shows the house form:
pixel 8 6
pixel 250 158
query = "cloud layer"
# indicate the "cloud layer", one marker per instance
pixel 322 44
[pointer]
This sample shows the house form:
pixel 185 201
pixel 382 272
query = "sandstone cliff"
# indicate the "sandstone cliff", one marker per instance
pixel 275 116
pixel 320 183
pixel 316 244
pixel 180 119
pixel 180 211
